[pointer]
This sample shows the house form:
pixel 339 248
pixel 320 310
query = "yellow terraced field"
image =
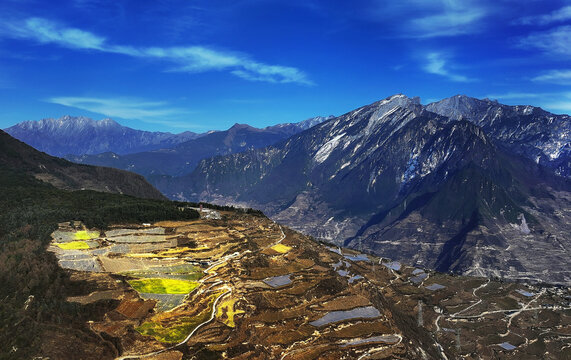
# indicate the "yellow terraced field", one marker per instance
pixel 86 235
pixel 227 310
pixel 281 248
pixel 163 286
pixel 73 245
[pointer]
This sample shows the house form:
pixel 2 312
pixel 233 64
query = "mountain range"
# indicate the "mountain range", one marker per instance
pixel 70 135
pixel 526 130
pixel 472 186
pixel 182 158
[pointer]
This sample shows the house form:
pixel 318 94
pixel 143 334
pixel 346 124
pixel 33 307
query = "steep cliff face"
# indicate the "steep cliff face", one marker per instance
pixel 403 182
pixel 63 174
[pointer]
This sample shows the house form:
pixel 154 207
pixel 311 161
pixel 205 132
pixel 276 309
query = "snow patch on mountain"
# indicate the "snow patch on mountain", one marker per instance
pixel 323 153
pixel 523 225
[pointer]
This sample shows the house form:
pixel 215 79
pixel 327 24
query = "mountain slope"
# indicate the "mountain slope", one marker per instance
pixel 526 130
pixel 81 135
pixel 66 175
pixel 183 158
pixel 405 183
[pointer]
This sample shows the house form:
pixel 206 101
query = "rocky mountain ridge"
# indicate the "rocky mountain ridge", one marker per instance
pixel 403 182
pixel 526 130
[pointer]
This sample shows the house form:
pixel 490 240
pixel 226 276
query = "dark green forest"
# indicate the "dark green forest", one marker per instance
pixel 29 212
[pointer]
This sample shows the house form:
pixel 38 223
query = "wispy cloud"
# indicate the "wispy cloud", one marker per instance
pixel 436 63
pixel 514 96
pixel 556 16
pixel 454 18
pixel 561 77
pixel 45 32
pixel 433 18
pixel 557 102
pixel 191 59
pixel 155 112
pixel 554 41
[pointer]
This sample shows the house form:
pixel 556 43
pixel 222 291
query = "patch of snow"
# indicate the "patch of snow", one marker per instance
pixel 355 149
pixel 323 153
pixel 523 226
pixel 410 171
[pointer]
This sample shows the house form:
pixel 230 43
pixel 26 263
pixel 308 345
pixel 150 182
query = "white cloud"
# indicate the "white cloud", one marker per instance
pixel 562 77
pixel 562 106
pixel 514 96
pixel 556 102
pixel 556 16
pixel 437 64
pixel 272 73
pixel 45 32
pixel 126 108
pixel 451 22
pixel 553 41
pixel 191 59
pixel 433 18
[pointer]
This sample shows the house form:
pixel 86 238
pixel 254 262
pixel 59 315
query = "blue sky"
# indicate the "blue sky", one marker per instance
pixel 206 64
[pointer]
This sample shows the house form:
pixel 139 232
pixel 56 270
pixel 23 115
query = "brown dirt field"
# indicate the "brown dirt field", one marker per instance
pixel 115 329
pixel 320 268
pixel 310 353
pixel 198 226
pixel 276 270
pixel 119 265
pixel 361 330
pixel 136 309
pixel 272 316
pixel 300 287
pixel 345 303
pixel 169 355
pixel 96 296
pixel 216 333
pixel 389 353
pixel 279 300
pixel 175 224
pixel 289 336
pixel 250 356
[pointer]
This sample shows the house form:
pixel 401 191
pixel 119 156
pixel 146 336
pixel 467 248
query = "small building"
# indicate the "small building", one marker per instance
pixel 435 287
pixel 507 346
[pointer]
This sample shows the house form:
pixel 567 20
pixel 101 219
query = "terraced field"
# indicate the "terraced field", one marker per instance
pixel 243 287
